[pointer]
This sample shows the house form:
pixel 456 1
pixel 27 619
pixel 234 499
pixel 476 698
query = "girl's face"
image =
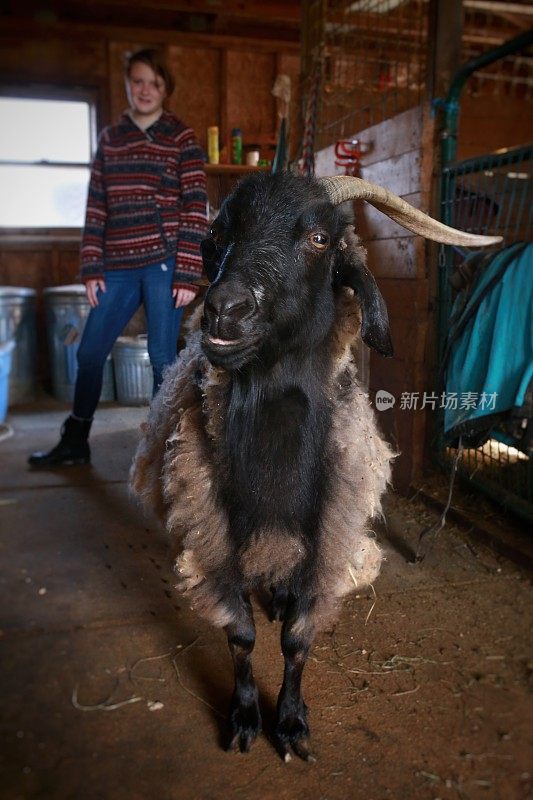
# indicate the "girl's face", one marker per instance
pixel 146 91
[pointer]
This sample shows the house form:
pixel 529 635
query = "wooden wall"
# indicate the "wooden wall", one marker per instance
pixel 222 81
pixel 488 123
pixel 399 158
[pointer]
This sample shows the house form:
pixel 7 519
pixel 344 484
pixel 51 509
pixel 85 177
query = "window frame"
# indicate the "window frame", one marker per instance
pixel 51 92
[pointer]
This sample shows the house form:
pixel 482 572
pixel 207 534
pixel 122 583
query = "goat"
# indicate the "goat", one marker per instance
pixel 261 452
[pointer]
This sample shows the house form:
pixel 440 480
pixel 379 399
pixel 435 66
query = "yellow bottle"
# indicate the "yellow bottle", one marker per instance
pixel 213 154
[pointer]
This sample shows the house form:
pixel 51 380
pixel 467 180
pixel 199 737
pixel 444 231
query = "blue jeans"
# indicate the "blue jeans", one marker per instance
pixel 126 289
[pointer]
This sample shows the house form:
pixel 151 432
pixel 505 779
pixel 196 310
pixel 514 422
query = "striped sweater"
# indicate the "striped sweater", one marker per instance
pixel 147 200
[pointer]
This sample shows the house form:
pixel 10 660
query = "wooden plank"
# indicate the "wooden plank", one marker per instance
pixel 251 104
pixel 486 127
pixel 26 268
pixel 60 61
pixel 395 258
pixel 372 224
pixel 405 299
pixel 325 163
pixel 199 87
pixel 392 138
pixel 37 267
pixel 400 174
pixel 15 239
pixel 408 338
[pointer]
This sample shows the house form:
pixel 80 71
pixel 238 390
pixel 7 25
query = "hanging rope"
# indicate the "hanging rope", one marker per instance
pixel 282 93
pixel 428 535
pixel 308 151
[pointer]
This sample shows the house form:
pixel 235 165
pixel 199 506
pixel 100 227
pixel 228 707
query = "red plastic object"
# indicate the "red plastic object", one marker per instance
pixel 348 155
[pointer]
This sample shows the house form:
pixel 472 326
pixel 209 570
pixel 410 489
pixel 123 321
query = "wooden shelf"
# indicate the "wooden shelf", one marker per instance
pixel 231 169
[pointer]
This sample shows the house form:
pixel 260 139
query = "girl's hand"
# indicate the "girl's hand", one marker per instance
pixel 183 297
pixel 91 290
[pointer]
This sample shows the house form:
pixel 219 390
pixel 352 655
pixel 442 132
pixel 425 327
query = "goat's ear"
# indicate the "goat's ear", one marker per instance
pixel 210 258
pixel 351 270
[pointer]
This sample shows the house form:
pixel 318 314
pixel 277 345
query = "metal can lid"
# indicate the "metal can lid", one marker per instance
pixel 138 342
pixel 71 288
pixel 17 291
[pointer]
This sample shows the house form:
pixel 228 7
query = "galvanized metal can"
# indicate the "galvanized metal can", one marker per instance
pixel 67 309
pixel 17 323
pixel 133 371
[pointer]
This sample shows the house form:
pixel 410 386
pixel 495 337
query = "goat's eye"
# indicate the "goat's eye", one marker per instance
pixel 214 233
pixel 319 240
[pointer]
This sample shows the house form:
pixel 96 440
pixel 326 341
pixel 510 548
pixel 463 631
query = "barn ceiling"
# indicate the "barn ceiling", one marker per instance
pixel 278 20
pixel 486 22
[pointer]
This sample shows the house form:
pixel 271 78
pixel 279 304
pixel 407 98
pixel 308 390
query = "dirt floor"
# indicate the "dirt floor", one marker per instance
pixel 112 689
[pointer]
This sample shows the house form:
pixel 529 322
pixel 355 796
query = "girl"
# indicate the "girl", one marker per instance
pixel 145 219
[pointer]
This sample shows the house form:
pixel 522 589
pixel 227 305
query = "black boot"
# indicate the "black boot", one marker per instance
pixel 73 447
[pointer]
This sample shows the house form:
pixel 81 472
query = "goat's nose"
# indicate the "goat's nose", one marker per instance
pixel 229 302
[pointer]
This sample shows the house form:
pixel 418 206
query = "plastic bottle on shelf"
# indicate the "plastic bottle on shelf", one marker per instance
pixel 236 146
pixel 213 154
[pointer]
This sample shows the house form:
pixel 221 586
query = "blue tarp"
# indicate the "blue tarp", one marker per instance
pixel 491 361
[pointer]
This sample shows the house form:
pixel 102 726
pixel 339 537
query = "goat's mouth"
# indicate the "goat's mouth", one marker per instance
pixel 223 342
pixel 229 353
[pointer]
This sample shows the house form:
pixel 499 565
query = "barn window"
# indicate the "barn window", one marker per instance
pixel 45 154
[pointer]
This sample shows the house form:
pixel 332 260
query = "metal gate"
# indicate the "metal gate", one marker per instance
pixel 491 194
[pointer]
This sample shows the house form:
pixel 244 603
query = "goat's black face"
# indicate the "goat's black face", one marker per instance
pixel 270 259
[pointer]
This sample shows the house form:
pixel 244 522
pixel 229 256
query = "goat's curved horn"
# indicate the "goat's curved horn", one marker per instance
pixel 344 187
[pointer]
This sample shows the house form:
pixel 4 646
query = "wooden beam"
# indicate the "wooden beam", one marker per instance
pixel 245 9
pixel 223 132
pixel 20 26
pixel 445 32
pixel 493 7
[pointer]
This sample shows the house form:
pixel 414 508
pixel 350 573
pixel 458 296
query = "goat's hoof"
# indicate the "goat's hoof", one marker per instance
pixel 245 726
pixel 292 734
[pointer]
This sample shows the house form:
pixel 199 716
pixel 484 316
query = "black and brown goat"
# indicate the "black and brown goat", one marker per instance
pixel 261 452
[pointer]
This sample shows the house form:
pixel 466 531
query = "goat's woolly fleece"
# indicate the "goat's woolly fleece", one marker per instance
pixel 175 474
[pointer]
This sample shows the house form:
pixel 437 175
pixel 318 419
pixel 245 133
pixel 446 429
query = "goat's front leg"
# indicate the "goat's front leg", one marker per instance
pixel 292 730
pixel 245 717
